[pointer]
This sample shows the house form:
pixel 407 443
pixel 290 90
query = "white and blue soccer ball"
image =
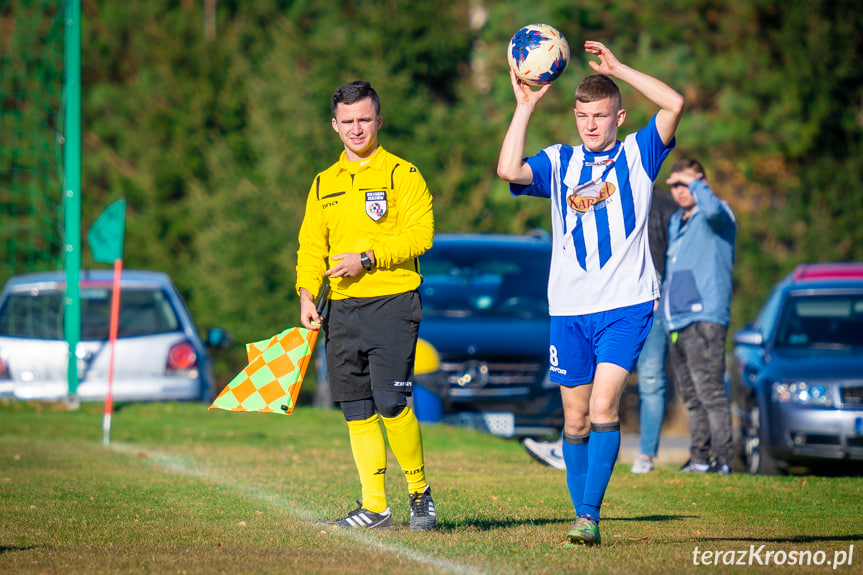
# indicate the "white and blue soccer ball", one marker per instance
pixel 538 53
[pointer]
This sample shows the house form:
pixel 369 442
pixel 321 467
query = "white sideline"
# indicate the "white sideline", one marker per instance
pixel 174 465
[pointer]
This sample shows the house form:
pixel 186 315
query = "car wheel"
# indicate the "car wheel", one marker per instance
pixel 756 456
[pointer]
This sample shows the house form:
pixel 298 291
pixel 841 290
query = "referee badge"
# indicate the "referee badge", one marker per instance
pixel 376 204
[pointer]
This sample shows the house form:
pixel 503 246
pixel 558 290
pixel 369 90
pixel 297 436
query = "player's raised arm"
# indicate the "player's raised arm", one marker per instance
pixel 511 166
pixel 671 103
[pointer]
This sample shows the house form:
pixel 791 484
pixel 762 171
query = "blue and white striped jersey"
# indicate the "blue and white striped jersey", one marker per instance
pixel 599 206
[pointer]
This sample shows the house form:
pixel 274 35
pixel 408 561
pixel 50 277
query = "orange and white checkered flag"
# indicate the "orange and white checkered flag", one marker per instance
pixel 274 375
pixel 272 380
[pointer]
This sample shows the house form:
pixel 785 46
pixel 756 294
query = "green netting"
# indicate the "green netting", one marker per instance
pixel 31 126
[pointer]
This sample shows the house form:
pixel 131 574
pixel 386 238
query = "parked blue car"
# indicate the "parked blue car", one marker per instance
pixel 798 373
pixel 485 311
pixel 485 316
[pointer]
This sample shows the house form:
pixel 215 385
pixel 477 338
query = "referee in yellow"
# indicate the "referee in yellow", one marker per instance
pixel 368 218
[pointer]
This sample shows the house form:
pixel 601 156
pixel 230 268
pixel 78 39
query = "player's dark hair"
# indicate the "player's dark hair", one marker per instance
pixel 687 162
pixel 598 87
pixel 353 92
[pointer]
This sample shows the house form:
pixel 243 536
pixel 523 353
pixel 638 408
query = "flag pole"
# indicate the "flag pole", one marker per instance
pixel 72 196
pixel 112 339
pixel 106 243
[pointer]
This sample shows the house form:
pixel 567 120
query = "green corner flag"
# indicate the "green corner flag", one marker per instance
pixel 106 233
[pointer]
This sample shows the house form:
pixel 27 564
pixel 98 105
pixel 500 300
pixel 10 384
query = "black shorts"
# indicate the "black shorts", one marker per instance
pixel 371 344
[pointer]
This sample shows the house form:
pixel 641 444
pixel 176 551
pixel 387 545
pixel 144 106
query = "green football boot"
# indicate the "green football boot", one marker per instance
pixel 585 531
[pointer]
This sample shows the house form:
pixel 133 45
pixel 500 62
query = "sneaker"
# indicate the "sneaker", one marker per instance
pixel 548 452
pixel 422 511
pixel 720 468
pixel 361 517
pixel 642 464
pixel 691 467
pixel 585 531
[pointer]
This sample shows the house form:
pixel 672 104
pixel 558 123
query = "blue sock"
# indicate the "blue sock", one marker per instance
pixel 575 457
pixel 604 448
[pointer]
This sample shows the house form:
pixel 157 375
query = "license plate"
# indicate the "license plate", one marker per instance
pixel 500 424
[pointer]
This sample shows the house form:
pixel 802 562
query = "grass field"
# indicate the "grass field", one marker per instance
pixel 183 490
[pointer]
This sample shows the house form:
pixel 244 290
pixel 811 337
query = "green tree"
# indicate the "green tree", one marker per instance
pixel 213 131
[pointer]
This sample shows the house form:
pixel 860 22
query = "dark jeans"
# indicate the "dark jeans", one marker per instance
pixel 697 361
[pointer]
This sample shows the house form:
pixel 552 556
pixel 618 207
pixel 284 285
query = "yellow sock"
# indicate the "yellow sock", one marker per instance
pixel 403 432
pixel 370 457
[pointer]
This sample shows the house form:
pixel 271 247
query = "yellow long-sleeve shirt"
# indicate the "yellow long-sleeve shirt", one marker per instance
pixel 380 204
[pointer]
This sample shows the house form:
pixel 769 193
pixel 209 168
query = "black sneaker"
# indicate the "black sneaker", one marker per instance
pixel 422 511
pixel 720 468
pixel 361 517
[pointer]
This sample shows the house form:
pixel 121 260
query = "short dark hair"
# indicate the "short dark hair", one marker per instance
pixel 687 162
pixel 353 92
pixel 597 87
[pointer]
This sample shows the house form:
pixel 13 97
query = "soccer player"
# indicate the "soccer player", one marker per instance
pixel 368 218
pixel 651 361
pixel 602 283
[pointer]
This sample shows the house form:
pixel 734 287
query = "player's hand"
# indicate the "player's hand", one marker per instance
pixel 347 265
pixel 524 94
pixel 607 60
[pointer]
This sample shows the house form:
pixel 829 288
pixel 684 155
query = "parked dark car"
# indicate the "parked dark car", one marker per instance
pixel 798 373
pixel 485 313
pixel 158 355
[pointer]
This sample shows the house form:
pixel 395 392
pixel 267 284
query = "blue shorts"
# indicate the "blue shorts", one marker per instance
pixel 580 342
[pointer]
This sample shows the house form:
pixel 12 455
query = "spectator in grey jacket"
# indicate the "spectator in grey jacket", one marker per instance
pixel 696 302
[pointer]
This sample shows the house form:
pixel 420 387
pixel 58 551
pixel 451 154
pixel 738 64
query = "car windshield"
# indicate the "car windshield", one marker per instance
pixel 38 314
pixel 463 280
pixel 821 321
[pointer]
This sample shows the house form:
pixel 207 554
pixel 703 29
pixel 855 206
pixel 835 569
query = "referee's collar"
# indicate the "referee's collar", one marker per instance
pixel 373 162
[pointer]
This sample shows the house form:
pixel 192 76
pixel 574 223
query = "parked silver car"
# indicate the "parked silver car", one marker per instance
pixel 158 355
pixel 798 373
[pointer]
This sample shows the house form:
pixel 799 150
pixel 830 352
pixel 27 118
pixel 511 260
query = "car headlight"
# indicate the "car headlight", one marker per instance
pixel 801 393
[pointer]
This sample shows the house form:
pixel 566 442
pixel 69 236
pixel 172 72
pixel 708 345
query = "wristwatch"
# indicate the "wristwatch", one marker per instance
pixel 367 263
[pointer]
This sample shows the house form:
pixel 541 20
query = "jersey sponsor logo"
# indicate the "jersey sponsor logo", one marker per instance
pixel 404 384
pixel 600 162
pixel 376 204
pixel 583 197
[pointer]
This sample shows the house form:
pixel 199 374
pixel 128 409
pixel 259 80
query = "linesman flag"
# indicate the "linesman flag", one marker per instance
pixel 272 380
